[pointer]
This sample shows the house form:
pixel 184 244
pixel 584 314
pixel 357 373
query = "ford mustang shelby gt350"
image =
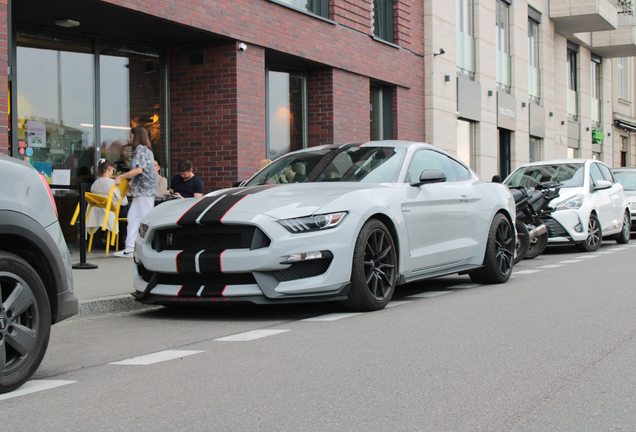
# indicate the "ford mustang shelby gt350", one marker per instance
pixel 339 222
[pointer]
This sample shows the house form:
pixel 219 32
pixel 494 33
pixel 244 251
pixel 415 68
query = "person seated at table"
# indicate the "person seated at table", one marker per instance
pixel 185 184
pixel 162 182
pixel 102 186
pixel 124 163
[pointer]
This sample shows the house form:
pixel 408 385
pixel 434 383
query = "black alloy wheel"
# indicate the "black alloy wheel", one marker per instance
pixel 499 256
pixel 25 321
pixel 625 235
pixel 594 236
pixel 374 271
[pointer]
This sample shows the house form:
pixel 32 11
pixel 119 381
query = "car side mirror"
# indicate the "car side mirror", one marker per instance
pixel 602 184
pixel 431 176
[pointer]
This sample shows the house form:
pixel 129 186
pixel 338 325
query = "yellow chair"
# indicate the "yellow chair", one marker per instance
pixel 100 201
pixel 123 189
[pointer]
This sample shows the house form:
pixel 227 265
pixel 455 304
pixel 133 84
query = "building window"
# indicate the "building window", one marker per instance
pixel 624 142
pixel 534 74
pixel 465 40
pixel 286 112
pixel 317 7
pixel 572 96
pixel 466 142
pixel 623 78
pixel 536 153
pixel 595 78
pixel 381 107
pixel 573 153
pixel 502 43
pixel 382 19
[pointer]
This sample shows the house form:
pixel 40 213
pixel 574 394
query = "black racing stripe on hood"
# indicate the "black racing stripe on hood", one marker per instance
pixel 222 204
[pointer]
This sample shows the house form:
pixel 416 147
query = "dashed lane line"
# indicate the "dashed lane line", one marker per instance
pixel 333 316
pixel 157 357
pixel 522 272
pixel 250 335
pixel 397 303
pixel 35 386
pixel 431 294
pixel 588 256
pixel 551 266
pixel 570 261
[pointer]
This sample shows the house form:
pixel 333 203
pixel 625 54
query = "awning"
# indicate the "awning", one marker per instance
pixel 630 127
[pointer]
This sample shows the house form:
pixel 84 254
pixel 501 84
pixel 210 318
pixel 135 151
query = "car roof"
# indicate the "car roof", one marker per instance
pixel 623 169
pixel 557 162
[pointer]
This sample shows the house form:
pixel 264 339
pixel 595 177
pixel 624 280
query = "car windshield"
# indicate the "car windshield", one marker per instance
pixel 627 179
pixel 568 174
pixel 334 164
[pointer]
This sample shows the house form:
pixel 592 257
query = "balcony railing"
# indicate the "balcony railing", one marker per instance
pixel 572 105
pixel 596 110
pixel 503 68
pixel 465 45
pixel 534 82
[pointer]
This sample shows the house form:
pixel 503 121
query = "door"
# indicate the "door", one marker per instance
pixel 504 153
pixel 602 199
pixel 438 215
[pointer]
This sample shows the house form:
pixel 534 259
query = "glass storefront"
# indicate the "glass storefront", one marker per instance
pixel 285 113
pixel 59 81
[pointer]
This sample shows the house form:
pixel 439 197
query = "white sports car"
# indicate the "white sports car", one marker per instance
pixel 340 222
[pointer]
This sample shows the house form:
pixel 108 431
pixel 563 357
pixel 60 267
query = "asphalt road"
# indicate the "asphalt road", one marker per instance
pixel 551 350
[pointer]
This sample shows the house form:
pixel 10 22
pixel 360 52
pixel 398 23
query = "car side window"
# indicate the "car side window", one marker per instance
pixel 607 174
pixel 432 160
pixel 595 174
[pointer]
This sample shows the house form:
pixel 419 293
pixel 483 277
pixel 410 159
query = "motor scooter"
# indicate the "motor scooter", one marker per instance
pixel 531 204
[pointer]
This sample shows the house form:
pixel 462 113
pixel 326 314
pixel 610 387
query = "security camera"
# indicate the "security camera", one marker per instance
pixel 242 47
pixel 441 51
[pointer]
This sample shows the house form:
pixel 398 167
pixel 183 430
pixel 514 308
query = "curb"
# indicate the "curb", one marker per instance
pixel 107 305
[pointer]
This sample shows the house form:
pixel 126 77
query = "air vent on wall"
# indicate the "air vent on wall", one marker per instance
pixel 196 59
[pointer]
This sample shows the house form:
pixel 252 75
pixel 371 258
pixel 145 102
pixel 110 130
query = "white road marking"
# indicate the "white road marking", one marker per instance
pixel 588 256
pixel 465 285
pixel 522 272
pixel 431 294
pixel 34 386
pixel 550 266
pixel 569 261
pixel 157 357
pixel 606 252
pixel 250 335
pixel 333 316
pixel 397 303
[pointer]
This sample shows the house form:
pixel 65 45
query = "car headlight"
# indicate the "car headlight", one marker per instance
pixel 313 223
pixel 573 203
pixel 143 228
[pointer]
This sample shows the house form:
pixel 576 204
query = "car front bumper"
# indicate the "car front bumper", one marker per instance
pixel 565 226
pixel 260 275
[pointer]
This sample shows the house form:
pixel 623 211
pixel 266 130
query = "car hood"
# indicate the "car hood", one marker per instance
pixel 276 201
pixel 565 193
pixel 630 195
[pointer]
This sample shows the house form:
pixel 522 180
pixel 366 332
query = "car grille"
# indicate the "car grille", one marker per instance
pixel 213 238
pixel 216 278
pixel 554 228
pixel 303 269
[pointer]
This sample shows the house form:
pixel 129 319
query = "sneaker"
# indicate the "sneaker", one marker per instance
pixel 126 253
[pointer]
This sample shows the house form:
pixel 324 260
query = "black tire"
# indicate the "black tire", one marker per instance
pixel 374 271
pixel 25 321
pixel 624 236
pixel 499 256
pixel 594 236
pixel 522 242
pixel 537 246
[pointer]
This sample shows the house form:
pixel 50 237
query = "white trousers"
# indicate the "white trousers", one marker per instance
pixel 138 208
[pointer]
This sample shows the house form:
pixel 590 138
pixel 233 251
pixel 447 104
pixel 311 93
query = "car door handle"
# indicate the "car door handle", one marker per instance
pixel 464 198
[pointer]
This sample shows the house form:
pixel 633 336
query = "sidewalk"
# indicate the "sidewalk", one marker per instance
pixel 107 288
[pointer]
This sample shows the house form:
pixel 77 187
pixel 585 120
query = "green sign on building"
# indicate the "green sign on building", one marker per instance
pixel 597 136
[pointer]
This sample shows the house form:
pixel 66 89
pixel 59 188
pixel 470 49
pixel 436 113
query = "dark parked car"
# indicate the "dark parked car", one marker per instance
pixel 36 280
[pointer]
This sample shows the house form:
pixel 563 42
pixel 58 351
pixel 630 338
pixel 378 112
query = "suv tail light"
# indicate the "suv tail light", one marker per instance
pixel 48 189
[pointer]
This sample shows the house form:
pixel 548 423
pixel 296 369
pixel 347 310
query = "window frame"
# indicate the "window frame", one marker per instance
pixel 382 27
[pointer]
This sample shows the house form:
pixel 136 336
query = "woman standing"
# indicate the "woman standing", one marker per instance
pixel 143 187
